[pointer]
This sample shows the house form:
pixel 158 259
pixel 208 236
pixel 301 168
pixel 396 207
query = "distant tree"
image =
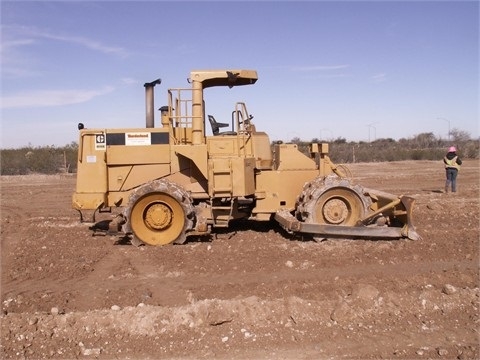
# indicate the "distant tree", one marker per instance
pixel 424 140
pixel 459 136
pixel 384 141
pixel 73 145
pixel 340 140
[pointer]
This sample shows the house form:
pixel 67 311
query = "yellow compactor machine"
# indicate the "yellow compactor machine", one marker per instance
pixel 173 181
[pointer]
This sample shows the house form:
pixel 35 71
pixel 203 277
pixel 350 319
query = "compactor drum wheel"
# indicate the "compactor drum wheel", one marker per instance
pixel 332 201
pixel 338 206
pixel 159 213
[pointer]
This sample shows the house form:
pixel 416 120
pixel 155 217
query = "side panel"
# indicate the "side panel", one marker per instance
pixel 222 145
pixel 91 187
pixel 121 178
pixel 262 151
pixel 231 177
pixel 115 161
pixel 243 176
pixel 196 153
pixel 189 168
pixel 134 157
pixel 137 146
pixel 129 155
pixel 288 157
pixel 220 177
pixel 92 171
pixel 279 189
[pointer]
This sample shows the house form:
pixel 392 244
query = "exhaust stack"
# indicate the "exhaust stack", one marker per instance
pixel 149 103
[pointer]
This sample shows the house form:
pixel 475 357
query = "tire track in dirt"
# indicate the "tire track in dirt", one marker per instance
pixel 117 273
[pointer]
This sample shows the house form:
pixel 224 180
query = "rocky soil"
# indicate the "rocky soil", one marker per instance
pixel 252 292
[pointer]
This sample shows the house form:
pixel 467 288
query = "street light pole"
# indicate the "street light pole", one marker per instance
pixel 448 121
pixel 374 132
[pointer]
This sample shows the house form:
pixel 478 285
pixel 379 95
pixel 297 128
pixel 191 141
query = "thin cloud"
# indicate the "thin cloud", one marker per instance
pixel 16 62
pixel 128 81
pixel 88 43
pixel 379 78
pixel 17 42
pixel 15 71
pixel 320 68
pixel 322 71
pixel 331 76
pixel 49 98
pixel 33 34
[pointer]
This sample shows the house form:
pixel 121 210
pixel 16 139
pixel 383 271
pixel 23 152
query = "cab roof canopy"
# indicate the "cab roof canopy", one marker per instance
pixel 230 78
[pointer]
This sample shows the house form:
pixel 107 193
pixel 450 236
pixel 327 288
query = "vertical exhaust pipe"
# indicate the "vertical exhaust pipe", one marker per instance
pixel 149 103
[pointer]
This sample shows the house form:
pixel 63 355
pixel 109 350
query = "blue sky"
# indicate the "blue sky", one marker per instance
pixel 358 70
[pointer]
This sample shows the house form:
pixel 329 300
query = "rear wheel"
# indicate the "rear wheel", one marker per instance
pixel 159 213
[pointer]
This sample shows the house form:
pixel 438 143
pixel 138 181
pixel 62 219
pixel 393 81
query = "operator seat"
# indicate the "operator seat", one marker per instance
pixel 216 127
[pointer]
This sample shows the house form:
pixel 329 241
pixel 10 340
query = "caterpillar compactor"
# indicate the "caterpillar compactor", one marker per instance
pixel 174 181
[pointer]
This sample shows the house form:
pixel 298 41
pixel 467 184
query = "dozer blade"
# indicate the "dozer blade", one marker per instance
pixel 409 228
pixel 400 208
pixel 290 223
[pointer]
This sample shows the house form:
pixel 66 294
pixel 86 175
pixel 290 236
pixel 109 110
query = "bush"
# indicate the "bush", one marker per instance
pixel 41 160
pixel 424 146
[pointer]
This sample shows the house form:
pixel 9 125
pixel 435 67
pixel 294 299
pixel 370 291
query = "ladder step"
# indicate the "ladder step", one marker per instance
pixel 222 218
pixel 222 190
pixel 221 208
pixel 221 171
pixel 222 224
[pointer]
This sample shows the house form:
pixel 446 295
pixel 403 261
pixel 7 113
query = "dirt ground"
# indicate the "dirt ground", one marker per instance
pixel 251 293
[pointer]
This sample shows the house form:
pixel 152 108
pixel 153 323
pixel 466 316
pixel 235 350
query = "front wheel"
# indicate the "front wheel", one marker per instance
pixel 332 201
pixel 338 206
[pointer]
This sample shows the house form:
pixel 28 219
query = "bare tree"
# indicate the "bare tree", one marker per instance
pixel 459 136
